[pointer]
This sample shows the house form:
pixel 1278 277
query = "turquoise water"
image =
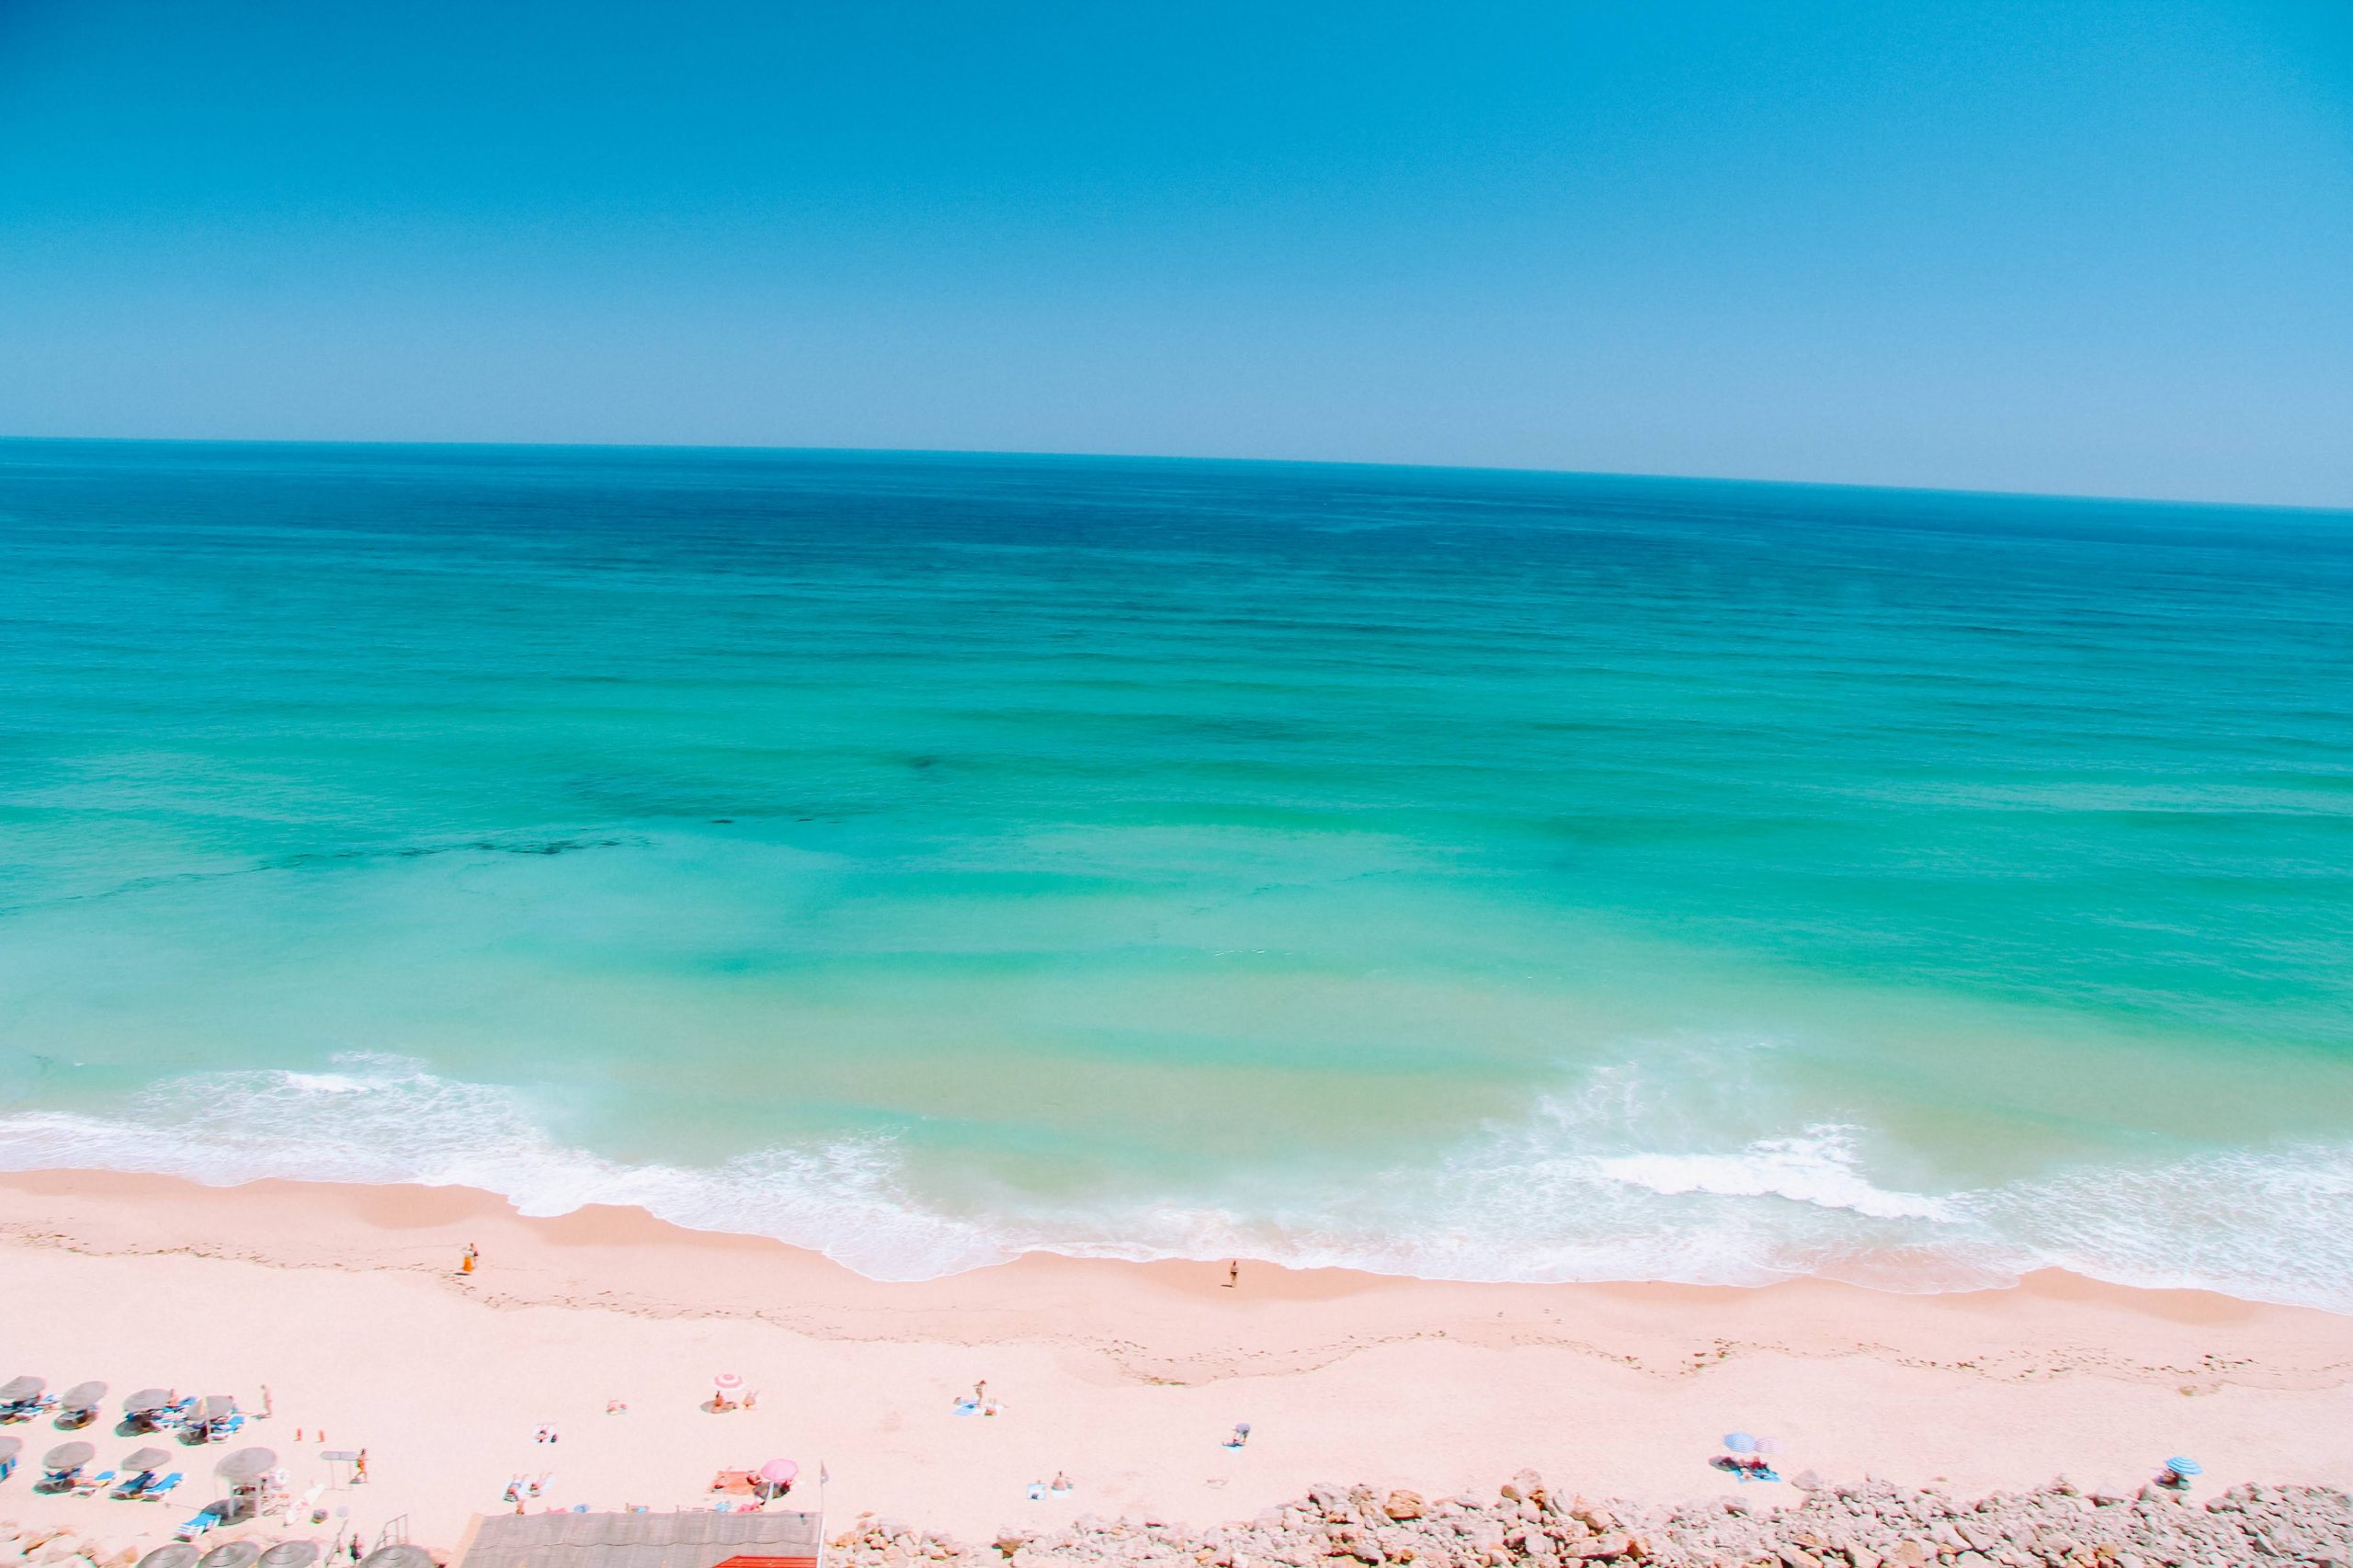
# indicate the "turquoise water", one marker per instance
pixel 931 859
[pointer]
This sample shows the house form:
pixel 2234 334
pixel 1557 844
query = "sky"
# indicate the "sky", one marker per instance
pixel 2056 246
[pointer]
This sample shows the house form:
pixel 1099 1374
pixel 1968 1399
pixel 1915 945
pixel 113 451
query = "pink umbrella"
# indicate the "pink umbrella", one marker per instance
pixel 780 1472
pixel 726 1382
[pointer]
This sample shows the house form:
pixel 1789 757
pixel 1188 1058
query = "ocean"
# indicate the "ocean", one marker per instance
pixel 931 859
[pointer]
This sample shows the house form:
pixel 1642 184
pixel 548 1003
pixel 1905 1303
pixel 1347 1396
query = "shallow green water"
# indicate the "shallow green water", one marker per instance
pixel 928 858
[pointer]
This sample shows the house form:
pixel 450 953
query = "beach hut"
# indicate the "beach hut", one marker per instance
pixel 230 1554
pixel 290 1554
pixel 231 1510
pixel 178 1555
pixel 691 1537
pixel 78 1406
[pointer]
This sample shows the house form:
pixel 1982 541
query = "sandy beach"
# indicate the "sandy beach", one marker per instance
pixel 346 1305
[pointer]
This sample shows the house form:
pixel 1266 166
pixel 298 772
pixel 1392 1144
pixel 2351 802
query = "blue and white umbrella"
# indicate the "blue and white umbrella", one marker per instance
pixel 2183 1467
pixel 1739 1442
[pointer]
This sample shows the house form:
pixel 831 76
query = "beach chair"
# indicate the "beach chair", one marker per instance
pixel 91 1485
pixel 78 1406
pixel 198 1526
pixel 158 1488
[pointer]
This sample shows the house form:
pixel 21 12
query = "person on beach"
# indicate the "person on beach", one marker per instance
pixel 466 1261
pixel 1234 1273
pixel 1241 1435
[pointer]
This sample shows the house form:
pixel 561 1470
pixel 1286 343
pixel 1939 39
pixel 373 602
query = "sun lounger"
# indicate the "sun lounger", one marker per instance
pixel 91 1485
pixel 160 1487
pixel 195 1527
pixel 22 1399
pixel 78 1406
pixel 63 1465
pixel 215 1416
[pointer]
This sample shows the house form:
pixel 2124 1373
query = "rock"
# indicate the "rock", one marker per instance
pixel 1612 1545
pixel 1404 1505
pixel 1798 1557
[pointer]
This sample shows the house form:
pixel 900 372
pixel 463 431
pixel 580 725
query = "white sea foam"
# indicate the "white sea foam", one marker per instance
pixel 1568 1193
pixel 1817 1166
pixel 385 1119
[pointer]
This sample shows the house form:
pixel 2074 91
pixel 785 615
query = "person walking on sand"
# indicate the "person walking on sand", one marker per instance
pixel 1234 1273
pixel 466 1261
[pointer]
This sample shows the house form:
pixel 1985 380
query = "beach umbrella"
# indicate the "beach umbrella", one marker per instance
pixel 146 1402
pixel 216 1407
pixel 246 1464
pixel 178 1555
pixel 727 1382
pixel 2185 1468
pixel 138 1461
pixel 780 1472
pixel 17 1391
pixel 69 1455
pixel 232 1555
pixel 1739 1442
pixel 1768 1445
pixel 404 1555
pixel 290 1554
pixel 8 1447
pixel 83 1396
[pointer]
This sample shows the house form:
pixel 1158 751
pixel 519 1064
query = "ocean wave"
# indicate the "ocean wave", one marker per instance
pixel 1817 1167
pixel 381 1120
pixel 1567 1193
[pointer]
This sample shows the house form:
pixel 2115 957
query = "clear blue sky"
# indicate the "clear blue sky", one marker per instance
pixel 2065 246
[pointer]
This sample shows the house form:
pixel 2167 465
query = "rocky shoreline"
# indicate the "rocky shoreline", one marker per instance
pixel 1531 1525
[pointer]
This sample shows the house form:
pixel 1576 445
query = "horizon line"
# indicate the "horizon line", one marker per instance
pixel 2345 510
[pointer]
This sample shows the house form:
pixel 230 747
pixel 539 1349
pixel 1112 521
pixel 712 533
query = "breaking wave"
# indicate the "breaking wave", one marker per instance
pixel 1563 1194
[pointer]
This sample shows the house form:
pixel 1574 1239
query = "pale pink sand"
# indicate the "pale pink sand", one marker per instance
pixel 345 1302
